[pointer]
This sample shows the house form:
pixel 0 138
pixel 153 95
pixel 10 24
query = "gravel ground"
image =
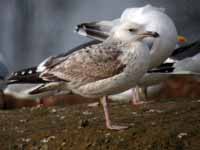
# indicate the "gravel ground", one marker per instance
pixel 163 125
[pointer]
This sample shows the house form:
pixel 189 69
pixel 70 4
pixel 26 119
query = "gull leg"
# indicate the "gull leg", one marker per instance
pixel 136 97
pixel 104 102
pixel 143 92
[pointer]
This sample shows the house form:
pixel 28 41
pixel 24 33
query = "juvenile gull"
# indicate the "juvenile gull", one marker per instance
pixel 99 70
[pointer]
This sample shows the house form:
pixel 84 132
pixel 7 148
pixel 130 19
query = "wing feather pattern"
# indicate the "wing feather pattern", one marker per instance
pixel 87 65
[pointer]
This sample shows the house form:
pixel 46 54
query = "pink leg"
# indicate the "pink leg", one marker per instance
pixel 136 97
pixel 104 102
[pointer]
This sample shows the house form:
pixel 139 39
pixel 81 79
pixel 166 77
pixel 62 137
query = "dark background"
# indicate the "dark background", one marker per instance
pixel 31 30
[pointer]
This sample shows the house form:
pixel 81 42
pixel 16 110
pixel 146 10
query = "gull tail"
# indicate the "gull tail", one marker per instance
pixel 29 75
pixel 95 30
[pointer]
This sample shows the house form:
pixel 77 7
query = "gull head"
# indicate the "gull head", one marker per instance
pixel 129 31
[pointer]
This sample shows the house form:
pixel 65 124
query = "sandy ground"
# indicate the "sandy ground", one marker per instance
pixel 162 125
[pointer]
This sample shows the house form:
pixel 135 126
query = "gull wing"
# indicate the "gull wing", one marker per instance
pixel 188 50
pixel 54 60
pixel 31 75
pixel 86 65
pixel 187 66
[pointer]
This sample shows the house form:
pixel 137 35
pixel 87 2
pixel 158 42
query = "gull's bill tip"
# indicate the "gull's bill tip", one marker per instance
pixel 150 33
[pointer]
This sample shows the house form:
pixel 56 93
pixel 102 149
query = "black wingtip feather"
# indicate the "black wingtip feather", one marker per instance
pixel 29 75
pixel 91 30
pixel 162 70
pixel 167 64
pixel 188 50
pixel 83 26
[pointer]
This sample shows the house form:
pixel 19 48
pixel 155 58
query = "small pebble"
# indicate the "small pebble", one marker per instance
pixel 107 134
pixel 134 113
pixel 87 113
pixel 53 110
pixel 23 121
pixel 62 117
pixel 63 143
pixel 46 140
pixel 26 140
pixel 154 111
pixel 51 137
pixel 181 135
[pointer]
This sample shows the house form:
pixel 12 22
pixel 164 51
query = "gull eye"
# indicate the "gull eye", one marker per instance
pixel 131 30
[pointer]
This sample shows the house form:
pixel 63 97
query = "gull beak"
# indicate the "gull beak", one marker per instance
pixel 149 34
pixel 181 39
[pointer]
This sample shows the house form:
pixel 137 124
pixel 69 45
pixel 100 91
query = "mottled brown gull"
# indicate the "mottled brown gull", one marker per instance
pixel 99 70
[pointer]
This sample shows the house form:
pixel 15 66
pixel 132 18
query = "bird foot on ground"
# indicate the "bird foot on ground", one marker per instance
pixel 117 127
